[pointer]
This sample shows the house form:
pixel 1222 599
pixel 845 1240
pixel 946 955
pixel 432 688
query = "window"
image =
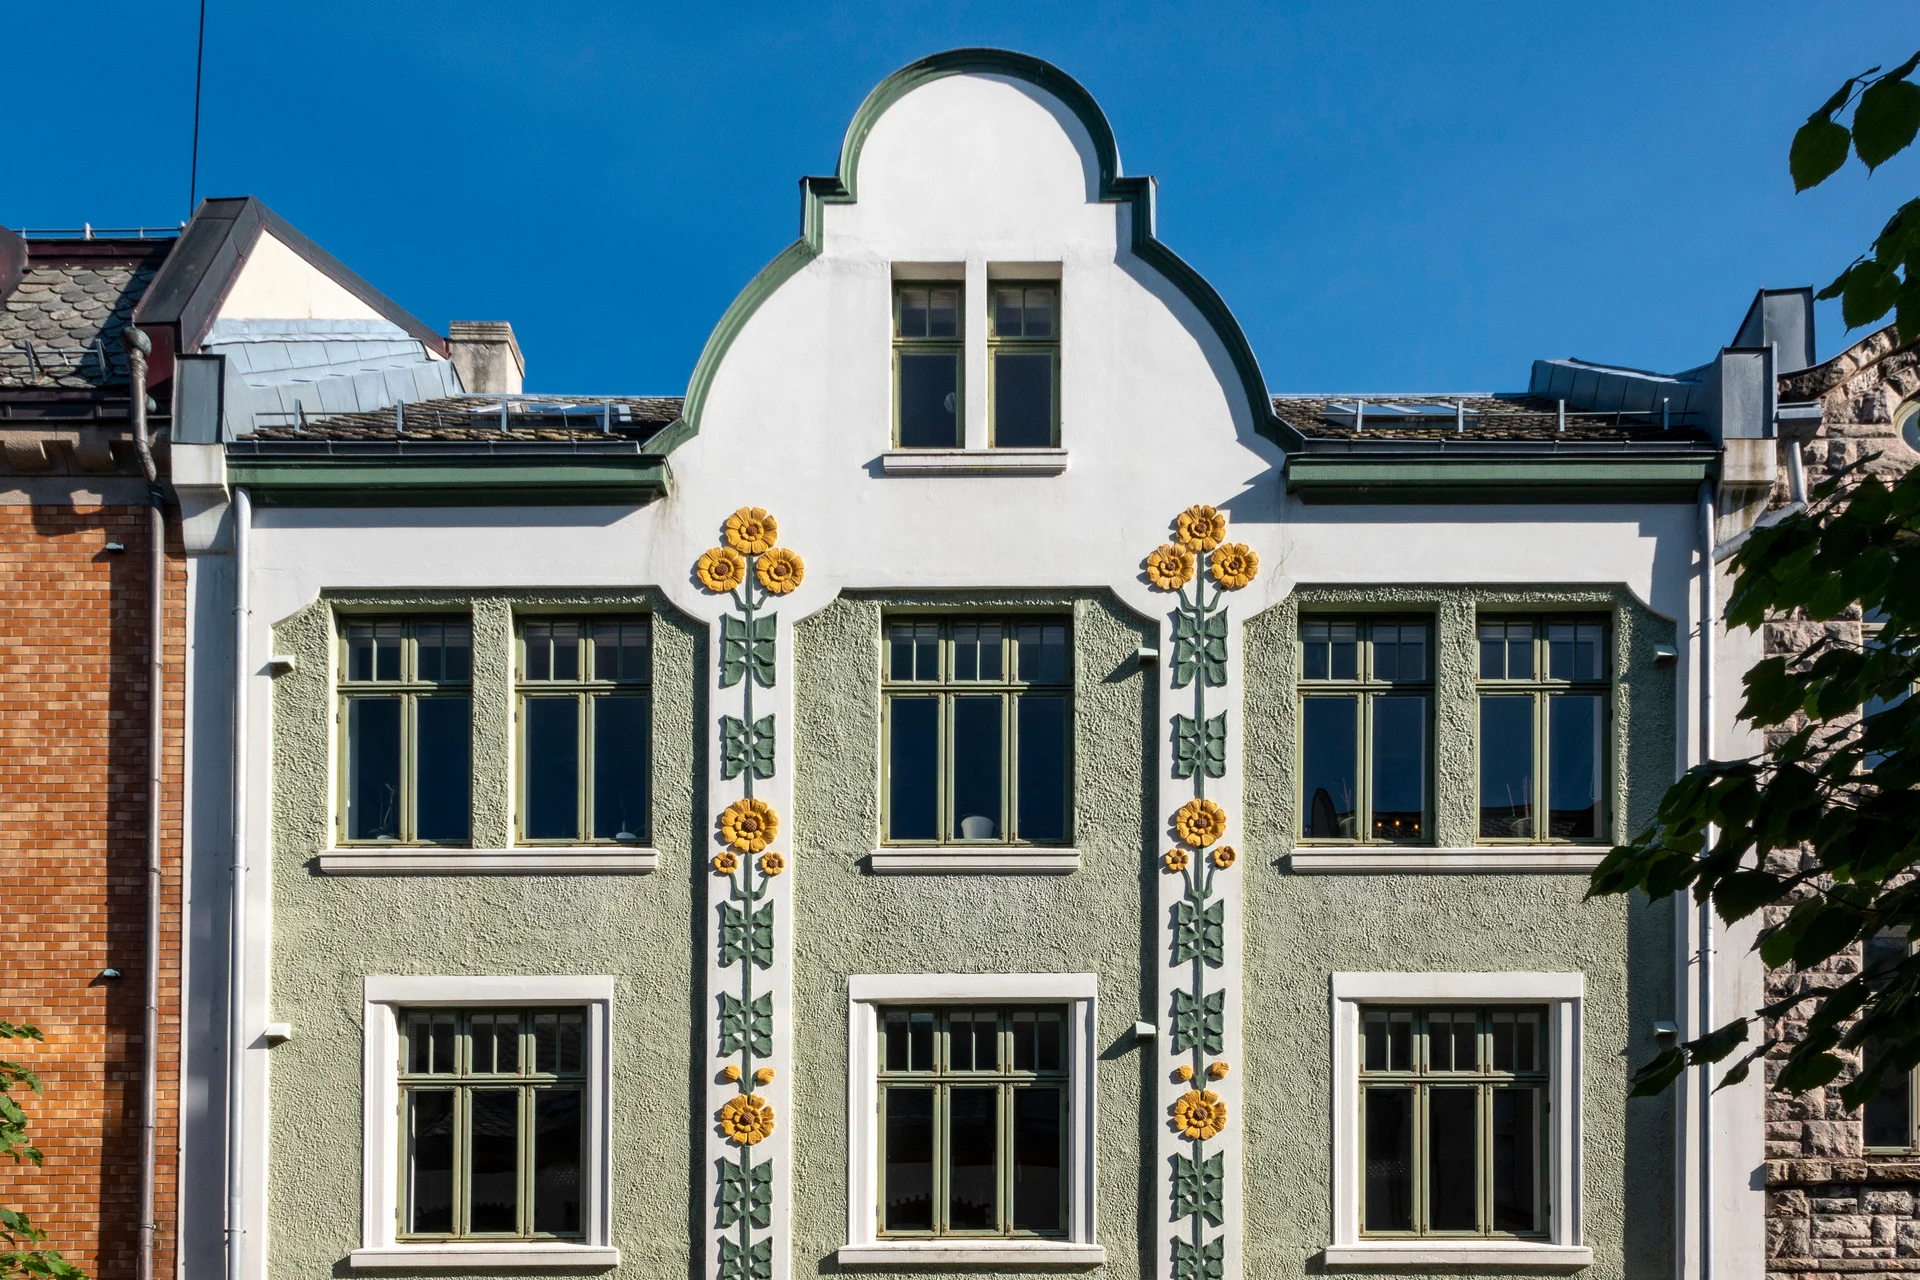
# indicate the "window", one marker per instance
pixel 1887 1118
pixel 406 716
pixel 978 717
pixel 1023 352
pixel 492 1109
pixel 929 352
pixel 584 726
pixel 1544 688
pixel 1365 716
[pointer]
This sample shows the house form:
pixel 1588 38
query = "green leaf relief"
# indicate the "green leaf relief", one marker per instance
pixel 1197 1187
pixel 1200 745
pixel 746 1193
pixel 751 1263
pixel 1185 649
pixel 1199 1020
pixel 747 649
pixel 743 747
pixel 1213 652
pixel 1200 933
pixel 744 1026
pixel 746 932
pixel 1199 1261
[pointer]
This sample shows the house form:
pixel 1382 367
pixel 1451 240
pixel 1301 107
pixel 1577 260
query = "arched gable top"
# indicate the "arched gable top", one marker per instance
pixel 1110 185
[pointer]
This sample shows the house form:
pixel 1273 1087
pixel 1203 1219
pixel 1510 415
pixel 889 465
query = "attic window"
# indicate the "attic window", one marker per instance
pixel 928 353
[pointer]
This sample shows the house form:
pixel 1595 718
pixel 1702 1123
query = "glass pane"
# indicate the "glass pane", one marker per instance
pixel 430 1040
pixel 909 1040
pixel 1331 650
pixel 1506 651
pixel 622 651
pixel 620 728
pixel 539 642
pixel 1329 766
pixel 913 651
pixel 559 1043
pixel 1493 651
pixel 429 1161
pixel 1887 1117
pixel 960 1038
pixel 445 652
pixel 943 313
pixel 1042 768
pixel 1023 399
pixel 908 1205
pixel 1039 320
pixel 427 651
pixel 1007 313
pixel 1036 1159
pixel 1575 751
pixel 493 1160
pixel 913 765
pixel 373 650
pixel 373 768
pixel 976 767
pixel 1516 1160
pixel 1399 768
pixel 976 652
pixel 556 1161
pixel 912 314
pixel 1516 1041
pixel 1373 1041
pixel 1452 1041
pixel 496 1043
pixel 1453 1159
pixel 1400 652
pixel 1389 1175
pixel 553 768
pixel 1574 651
pixel 444 769
pixel 1043 653
pixel 566 651
pixel 973 1144
pixel 1039 1040
pixel 929 400
pixel 1506 767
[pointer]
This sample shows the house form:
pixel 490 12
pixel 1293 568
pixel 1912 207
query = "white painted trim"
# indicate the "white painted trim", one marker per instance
pixel 973 462
pixel 865 993
pixel 1564 992
pixel 380 1094
pixel 447 1257
pixel 1043 862
pixel 1483 860
pixel 593 860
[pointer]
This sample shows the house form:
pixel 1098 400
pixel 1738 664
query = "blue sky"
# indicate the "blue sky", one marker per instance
pixel 1392 197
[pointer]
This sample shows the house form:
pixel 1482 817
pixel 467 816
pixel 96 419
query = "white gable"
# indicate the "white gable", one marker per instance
pixel 278 284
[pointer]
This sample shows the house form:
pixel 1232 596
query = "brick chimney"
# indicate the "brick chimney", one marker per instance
pixel 486 357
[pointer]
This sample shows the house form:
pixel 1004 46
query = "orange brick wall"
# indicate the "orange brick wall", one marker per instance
pixel 73 723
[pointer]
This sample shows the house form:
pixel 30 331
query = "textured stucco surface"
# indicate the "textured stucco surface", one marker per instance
pixel 1302 928
pixel 330 932
pixel 849 921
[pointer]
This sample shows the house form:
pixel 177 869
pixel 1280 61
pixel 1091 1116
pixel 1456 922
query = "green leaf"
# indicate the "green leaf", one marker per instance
pixel 1867 291
pixel 1818 151
pixel 1199 933
pixel 1199 1020
pixel 747 932
pixel 745 1193
pixel 1198 1186
pixel 747 649
pixel 750 1263
pixel 748 1026
pixel 743 747
pixel 1885 121
pixel 1199 1261
pixel 1200 745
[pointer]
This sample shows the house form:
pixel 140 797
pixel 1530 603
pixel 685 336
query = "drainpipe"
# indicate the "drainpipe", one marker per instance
pixel 137 346
pixel 237 889
pixel 1705 930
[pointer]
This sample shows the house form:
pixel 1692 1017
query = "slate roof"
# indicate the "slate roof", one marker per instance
pixel 67 299
pixel 1489 418
pixel 476 419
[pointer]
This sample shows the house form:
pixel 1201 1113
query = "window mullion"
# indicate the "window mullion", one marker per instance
pixel 409 767
pixel 583 777
pixel 1009 775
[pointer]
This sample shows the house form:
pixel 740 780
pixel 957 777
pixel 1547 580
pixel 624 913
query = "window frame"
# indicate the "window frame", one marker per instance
pixel 868 995
pixel 1542 689
pixel 1367 689
pixel 943 690
pixel 585 691
pixel 1912 1144
pixel 409 690
pixel 997 343
pixel 1563 995
pixel 382 1133
pixel 915 345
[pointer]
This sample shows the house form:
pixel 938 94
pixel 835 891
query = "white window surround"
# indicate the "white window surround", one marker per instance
pixel 1546 859
pixel 1039 860
pixel 1563 994
pixel 865 994
pixel 543 860
pixel 380 1177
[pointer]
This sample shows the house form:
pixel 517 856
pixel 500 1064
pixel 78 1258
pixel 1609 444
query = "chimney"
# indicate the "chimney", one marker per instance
pixel 486 357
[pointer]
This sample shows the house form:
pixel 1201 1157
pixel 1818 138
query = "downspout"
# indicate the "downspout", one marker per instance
pixel 1705 924
pixel 237 890
pixel 137 346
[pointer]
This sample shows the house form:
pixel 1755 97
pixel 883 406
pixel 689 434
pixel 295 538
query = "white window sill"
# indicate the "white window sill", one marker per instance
pixel 1006 1253
pixel 962 861
pixel 1491 859
pixel 536 861
pixel 1462 1253
pixel 973 462
pixel 464 1257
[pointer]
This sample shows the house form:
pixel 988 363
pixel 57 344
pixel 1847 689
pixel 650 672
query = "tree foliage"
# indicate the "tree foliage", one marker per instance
pixel 20 1255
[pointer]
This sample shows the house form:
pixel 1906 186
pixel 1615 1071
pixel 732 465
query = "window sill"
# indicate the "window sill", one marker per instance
pixel 1008 1253
pixel 1002 862
pixel 1479 860
pixel 473 1256
pixel 973 462
pixel 549 861
pixel 1462 1253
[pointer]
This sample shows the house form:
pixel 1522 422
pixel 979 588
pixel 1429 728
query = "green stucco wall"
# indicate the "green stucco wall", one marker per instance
pixel 850 921
pixel 330 932
pixel 1302 928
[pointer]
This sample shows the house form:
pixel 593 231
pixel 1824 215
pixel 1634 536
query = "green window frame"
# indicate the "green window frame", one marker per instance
pixel 1455 1113
pixel 977 724
pixel 929 364
pixel 974 1116
pixel 1545 729
pixel 583 712
pixel 1023 364
pixel 1366 730
pixel 493 1116
pixel 405 722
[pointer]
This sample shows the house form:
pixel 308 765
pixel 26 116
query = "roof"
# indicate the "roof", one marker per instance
pixel 60 324
pixel 1488 419
pixel 477 419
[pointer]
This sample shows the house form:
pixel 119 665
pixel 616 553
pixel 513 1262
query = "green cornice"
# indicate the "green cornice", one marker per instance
pixel 625 480
pixel 1345 478
pixel 1136 192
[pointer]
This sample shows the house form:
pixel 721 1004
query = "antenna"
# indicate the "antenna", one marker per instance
pixel 199 63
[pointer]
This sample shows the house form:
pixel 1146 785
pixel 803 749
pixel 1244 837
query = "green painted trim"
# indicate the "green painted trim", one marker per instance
pixel 1343 478
pixel 843 187
pixel 488 481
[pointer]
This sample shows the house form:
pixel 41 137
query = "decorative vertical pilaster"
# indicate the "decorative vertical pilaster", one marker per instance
pixel 749 1014
pixel 1200 913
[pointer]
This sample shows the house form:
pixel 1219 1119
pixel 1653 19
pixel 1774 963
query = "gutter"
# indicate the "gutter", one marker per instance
pixel 237 890
pixel 1708 620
